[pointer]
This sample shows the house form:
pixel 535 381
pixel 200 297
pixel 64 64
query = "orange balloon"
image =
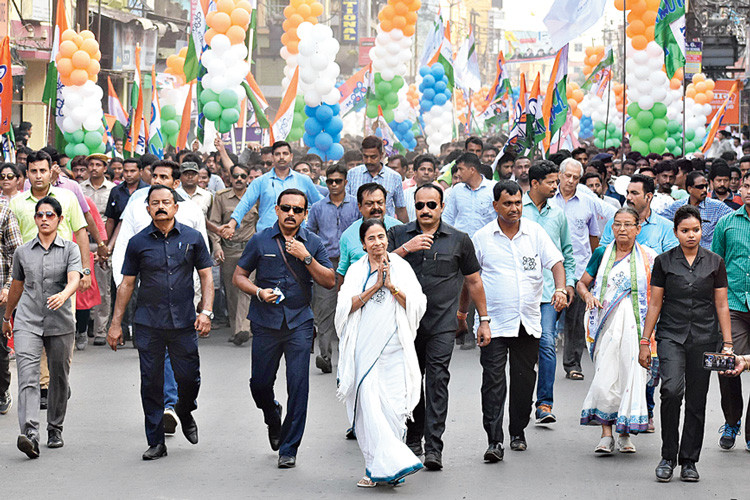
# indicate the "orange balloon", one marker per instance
pixel 210 18
pixel 81 59
pixel 236 34
pixel 67 35
pixel 700 98
pixel 389 12
pixel 675 84
pixel 649 18
pixel 399 22
pixel 620 4
pixel 572 85
pixel 244 4
pixel 638 8
pixel 68 48
pixel 573 106
pixel 93 68
pixel 599 50
pixel 678 74
pixel 618 99
pixel 288 11
pixel 172 62
pixel 636 28
pixel 180 65
pixel 699 77
pixel 709 95
pixel 293 46
pixel 316 9
pixel 701 87
pixel 639 42
pixel 296 3
pixel 240 17
pixel 225 6
pixel 578 113
pixel 569 93
pixel 650 33
pixel 401 9
pixel 296 20
pixel 312 20
pixel 386 25
pixel 78 76
pixel 589 51
pixel 64 66
pixel 690 92
pixel 98 55
pixel 587 69
pixel 653 4
pixel 304 10
pixel 411 17
pixel 578 95
pixel 710 84
pixel 210 35
pixel 293 34
pixel 221 22
pixel 65 80
pixel 90 46
pixel 286 25
pixel 409 30
pixel 78 40
pixel 87 35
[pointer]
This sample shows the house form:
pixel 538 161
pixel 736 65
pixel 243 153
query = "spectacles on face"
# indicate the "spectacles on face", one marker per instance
pixel 334 182
pixel 289 208
pixel 701 186
pixel 48 214
pixel 8 177
pixel 267 163
pixel 623 225
pixel 239 176
pixel 432 205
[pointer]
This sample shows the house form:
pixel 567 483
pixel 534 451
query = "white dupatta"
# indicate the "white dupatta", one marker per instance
pixel 407 320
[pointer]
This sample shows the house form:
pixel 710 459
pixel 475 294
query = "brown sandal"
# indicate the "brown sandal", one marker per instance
pixel 574 375
pixel 366 482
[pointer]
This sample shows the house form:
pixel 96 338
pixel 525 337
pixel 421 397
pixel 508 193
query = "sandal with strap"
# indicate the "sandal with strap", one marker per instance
pixel 574 375
pixel 366 482
pixel 606 445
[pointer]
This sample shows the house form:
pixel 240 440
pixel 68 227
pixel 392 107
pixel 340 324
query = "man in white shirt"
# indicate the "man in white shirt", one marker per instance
pixel 190 189
pixel 512 253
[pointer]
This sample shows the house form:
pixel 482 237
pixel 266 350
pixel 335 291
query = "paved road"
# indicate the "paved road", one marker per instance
pixel 104 440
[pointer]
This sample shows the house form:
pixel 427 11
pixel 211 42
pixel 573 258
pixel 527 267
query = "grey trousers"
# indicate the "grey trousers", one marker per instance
pixel 4 361
pixel 101 313
pixel 28 355
pixel 324 308
pixel 238 302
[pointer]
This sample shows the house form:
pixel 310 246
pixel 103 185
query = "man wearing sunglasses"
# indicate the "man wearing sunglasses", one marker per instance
pixel 228 252
pixel 329 218
pixel 287 258
pixel 711 210
pixel 442 257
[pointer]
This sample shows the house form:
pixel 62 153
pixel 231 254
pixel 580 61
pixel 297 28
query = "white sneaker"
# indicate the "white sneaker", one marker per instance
pixel 170 421
pixel 606 445
pixel 625 445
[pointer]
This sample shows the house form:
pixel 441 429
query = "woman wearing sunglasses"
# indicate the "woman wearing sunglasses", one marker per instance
pixel 9 175
pixel 379 309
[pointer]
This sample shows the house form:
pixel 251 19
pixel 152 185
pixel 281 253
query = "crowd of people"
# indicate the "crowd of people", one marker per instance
pixel 641 262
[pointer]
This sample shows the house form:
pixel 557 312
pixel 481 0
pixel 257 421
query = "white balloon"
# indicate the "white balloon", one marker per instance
pixel 654 51
pixel 659 78
pixel 393 48
pixel 312 98
pixel 387 74
pixel 79 114
pixel 707 109
pixel 307 75
pixel 700 132
pixel 640 57
pixel 69 125
pixel 332 98
pixel 92 123
pixel 318 62
pixel 220 44
pixel 659 94
pixel 642 72
pixel 382 39
pixel 646 102
pixel 396 34
pixel 304 30
pixel 219 83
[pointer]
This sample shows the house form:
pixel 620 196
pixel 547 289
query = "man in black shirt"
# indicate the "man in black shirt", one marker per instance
pixel 438 253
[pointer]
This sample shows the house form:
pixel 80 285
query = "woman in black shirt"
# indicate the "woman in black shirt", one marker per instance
pixel 689 299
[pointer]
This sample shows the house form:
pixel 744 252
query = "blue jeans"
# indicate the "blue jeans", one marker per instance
pixel 547 356
pixel 267 349
pixel 170 384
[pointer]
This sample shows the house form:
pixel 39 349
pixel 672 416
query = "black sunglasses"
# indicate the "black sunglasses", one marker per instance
pixel 267 163
pixel 332 182
pixel 239 176
pixel 9 177
pixel 49 214
pixel 288 208
pixel 432 205
pixel 701 186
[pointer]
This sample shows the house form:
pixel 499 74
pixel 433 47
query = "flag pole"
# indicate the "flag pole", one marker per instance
pixel 684 78
pixel 606 121
pixel 624 71
pixel 250 66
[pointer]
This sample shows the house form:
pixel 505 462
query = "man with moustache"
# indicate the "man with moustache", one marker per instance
pixel 425 167
pixel 441 257
pixel 521 172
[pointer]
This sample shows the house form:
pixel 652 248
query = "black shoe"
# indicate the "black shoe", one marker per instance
pixel 189 428
pixel 494 453
pixel 518 443
pixel 350 433
pixel 416 447
pixel 689 473
pixel 43 399
pixel 100 341
pixel 28 445
pixel 54 438
pixel 155 452
pixel 287 462
pixel 240 338
pixel 664 470
pixel 274 431
pixel 433 460
pixel 323 364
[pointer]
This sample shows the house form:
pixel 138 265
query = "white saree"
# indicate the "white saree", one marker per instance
pixel 378 372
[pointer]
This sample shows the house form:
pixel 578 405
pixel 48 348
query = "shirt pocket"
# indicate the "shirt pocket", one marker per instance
pixel 442 265
pixel 532 267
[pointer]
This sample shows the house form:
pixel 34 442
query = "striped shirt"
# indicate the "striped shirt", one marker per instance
pixel 388 178
pixel 732 243
pixel 711 211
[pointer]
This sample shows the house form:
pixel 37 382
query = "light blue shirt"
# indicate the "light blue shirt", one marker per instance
pixel 350 248
pixel 581 211
pixel 266 190
pixel 469 210
pixel 656 234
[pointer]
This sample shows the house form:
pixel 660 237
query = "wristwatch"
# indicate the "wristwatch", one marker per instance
pixel 209 314
pixel 485 318
pixel 86 271
pixel 308 260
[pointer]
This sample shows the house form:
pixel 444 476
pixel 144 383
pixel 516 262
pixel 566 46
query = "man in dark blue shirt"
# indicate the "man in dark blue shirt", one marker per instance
pixel 165 255
pixel 286 259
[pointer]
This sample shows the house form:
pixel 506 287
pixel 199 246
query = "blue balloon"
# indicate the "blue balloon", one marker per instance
pixel 308 139
pixel 404 127
pixel 335 108
pixel 428 94
pixel 323 114
pixel 335 126
pixel 426 105
pixel 323 141
pixel 315 151
pixel 310 111
pixel 440 99
pixel 336 138
pixel 312 126
pixel 335 152
pixel 440 86
pixel 437 70
pixel 428 81
pixel 424 71
pixel 447 94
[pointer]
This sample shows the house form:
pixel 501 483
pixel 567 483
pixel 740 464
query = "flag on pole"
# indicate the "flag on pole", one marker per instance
pixel 555 109
pixel 601 74
pixel 391 146
pixel 535 128
pixel 155 138
pixel 669 33
pixel 6 86
pixel 108 121
pixel 444 56
pixel 137 139
pixel 282 124
pixel 257 100
pixel 185 119
pixel 52 94
pixel 8 145
pixel 467 65
pixel 354 90
pixel 116 108
pixel 717 121
pixel 432 42
pixel 569 19
pixel 517 140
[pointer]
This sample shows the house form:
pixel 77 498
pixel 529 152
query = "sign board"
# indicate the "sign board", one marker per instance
pixel 349 15
pixel 126 36
pixel 528 45
pixel 365 44
pixel 721 91
pixel 693 58
pixel 3 18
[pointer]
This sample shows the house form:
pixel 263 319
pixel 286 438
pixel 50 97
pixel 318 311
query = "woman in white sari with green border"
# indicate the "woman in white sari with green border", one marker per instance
pixel 616 309
pixel 380 305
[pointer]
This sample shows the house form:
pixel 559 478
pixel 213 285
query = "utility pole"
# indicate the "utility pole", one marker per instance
pixel 82 15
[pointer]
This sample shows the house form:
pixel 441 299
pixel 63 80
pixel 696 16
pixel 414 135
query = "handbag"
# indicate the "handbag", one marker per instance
pixel 294 275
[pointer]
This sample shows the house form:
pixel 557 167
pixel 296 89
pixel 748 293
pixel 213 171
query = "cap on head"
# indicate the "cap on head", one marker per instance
pixel 189 166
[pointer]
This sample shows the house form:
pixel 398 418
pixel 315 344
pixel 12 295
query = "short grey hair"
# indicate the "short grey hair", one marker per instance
pixel 570 161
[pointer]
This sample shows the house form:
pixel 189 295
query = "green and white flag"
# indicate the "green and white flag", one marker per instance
pixel 602 73
pixel 669 33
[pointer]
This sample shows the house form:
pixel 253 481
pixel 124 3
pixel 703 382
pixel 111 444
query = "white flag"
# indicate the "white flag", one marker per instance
pixel 569 19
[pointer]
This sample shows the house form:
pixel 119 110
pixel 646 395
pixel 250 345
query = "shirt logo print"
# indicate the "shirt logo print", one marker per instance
pixel 529 263
pixel 379 296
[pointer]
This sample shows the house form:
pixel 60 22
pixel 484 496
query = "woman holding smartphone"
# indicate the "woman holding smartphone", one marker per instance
pixel 689 300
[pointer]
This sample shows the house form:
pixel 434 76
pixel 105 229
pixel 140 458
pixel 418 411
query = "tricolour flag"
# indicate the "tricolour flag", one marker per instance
pixel 601 74
pixel 116 108
pixel 137 138
pixel 432 42
pixel 6 86
pixel 568 19
pixel 155 139
pixel 555 109
pixel 444 56
pixel 282 124
pixel 517 142
pixel 185 119
pixel 467 65
pixel 535 128
pixel 669 33
pixel 257 101
pixel 52 94
pixel 108 121
pixel 354 90
pixel 391 146
pixel 717 121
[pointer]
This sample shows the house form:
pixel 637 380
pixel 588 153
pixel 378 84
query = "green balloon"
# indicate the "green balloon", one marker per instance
pixel 92 140
pixel 207 96
pixel 170 127
pixel 168 112
pixel 612 143
pixel 383 88
pixel 671 143
pixel 659 126
pixel 388 115
pixel 392 99
pixel 690 147
pixel 299 121
pixel 230 115
pixel 646 134
pixel 228 99
pixel 673 127
pixel 70 150
pixel 223 127
pixel 645 118
pixel 657 145
pixel 68 137
pixel 295 134
pixel 598 126
pixel 601 134
pixel 81 149
pixel 632 127
pixel 677 151
pixel 599 143
pixel 689 134
pixel 372 110
pixel 633 109
pixel 611 129
pixel 659 110
pixel 101 148
pixel 212 110
pixel 299 104
pixel 377 78
pixel 397 82
pixel 78 136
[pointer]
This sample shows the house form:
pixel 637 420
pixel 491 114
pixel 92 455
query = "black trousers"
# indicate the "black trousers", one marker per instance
pixel 524 352
pixel 4 361
pixel 731 387
pixel 575 335
pixel 682 375
pixel 434 351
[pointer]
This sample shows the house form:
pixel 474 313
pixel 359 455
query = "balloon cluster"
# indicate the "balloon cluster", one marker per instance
pixel 436 106
pixel 574 95
pixel 78 58
pixel 607 135
pixel 698 97
pixel 226 67
pixel 296 13
pixel 594 55
pixel 403 120
pixel 385 96
pixel 170 124
pixel 176 65
pixel 323 131
pixel 400 15
pixel 298 123
pixel 412 95
pixel 619 90
pixel 586 130
pixel 641 21
pixel 317 66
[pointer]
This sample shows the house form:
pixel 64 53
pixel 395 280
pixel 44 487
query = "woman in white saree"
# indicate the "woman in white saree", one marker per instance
pixel 380 305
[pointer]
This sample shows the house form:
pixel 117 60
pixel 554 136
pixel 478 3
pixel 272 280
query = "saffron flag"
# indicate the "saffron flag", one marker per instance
pixel 568 19
pixel 555 108
pixel 669 33
pixel 116 108
pixel 517 141
pixel 535 128
pixel 282 124
pixel 354 90
pixel 601 74
pixel 6 86
pixel 155 138
pixel 185 120
pixel 717 121
pixel 136 142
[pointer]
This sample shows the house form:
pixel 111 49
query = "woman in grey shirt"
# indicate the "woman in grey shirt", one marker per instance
pixel 46 273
